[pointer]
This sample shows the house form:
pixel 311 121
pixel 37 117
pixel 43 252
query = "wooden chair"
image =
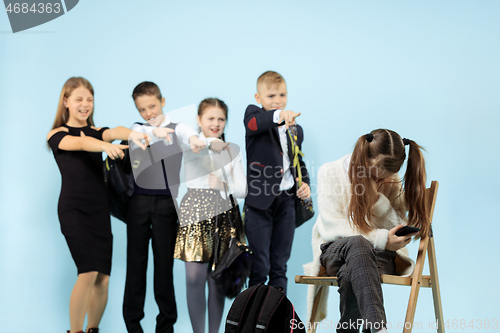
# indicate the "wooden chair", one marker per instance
pixel 416 281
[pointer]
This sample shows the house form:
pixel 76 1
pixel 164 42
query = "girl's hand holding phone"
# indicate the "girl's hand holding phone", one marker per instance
pixel 394 242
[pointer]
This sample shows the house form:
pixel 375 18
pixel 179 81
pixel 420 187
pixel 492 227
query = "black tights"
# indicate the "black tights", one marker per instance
pixel 197 275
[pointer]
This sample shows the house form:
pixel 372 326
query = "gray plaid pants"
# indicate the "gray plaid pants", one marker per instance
pixel 357 266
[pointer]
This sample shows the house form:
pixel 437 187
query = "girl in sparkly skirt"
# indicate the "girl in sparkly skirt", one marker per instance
pixel 203 205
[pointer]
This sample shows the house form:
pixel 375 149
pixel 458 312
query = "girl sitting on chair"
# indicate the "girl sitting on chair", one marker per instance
pixel 361 206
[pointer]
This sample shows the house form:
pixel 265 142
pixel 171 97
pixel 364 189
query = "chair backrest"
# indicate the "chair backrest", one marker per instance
pixel 430 200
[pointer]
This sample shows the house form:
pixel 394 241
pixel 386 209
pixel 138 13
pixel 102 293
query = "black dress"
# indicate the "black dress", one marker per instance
pixel 83 207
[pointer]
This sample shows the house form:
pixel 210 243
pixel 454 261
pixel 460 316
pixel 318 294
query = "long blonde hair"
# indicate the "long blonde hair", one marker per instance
pixel 388 149
pixel 62 115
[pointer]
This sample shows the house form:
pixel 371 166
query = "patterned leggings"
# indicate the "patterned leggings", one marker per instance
pixel 358 266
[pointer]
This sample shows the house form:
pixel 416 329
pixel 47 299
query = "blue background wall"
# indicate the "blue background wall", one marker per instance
pixel 428 70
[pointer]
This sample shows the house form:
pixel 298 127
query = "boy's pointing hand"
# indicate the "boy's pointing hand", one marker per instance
pixel 163 133
pixel 288 117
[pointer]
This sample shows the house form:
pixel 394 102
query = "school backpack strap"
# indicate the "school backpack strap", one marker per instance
pixel 273 300
pixel 237 318
pixel 252 317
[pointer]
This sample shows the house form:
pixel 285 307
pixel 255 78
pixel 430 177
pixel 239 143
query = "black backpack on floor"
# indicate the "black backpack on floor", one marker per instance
pixel 261 309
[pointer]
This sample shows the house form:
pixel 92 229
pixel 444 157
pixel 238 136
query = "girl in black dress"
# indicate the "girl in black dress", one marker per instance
pixel 83 203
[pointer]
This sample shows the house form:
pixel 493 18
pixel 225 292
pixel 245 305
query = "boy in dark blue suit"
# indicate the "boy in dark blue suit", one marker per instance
pixel 272 182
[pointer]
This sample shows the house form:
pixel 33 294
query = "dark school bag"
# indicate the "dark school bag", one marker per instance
pixel 119 179
pixel 260 309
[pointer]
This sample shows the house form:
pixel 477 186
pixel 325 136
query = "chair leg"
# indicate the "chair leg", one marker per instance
pixel 314 310
pixel 410 312
pixel 415 285
pixel 436 294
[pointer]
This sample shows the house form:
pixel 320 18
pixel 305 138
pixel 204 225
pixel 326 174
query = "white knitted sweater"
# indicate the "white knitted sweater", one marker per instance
pixel 334 193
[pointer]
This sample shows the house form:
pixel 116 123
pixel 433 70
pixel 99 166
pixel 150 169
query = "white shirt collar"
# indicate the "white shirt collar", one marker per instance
pixel 166 121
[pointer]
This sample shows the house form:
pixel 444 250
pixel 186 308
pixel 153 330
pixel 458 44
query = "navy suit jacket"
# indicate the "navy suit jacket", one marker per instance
pixel 265 157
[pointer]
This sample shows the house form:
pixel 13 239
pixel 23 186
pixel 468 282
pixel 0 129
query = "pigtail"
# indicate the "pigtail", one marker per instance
pixel 223 138
pixel 414 187
pixel 363 195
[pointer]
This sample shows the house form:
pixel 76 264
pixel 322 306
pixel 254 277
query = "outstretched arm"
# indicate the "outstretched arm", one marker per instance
pixel 117 133
pixel 123 133
pixel 257 121
pixel 85 143
pixel 286 116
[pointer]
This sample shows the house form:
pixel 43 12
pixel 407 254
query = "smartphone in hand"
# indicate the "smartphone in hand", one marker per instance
pixel 406 230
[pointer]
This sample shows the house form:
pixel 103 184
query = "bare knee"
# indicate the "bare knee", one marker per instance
pixel 88 278
pixel 102 280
